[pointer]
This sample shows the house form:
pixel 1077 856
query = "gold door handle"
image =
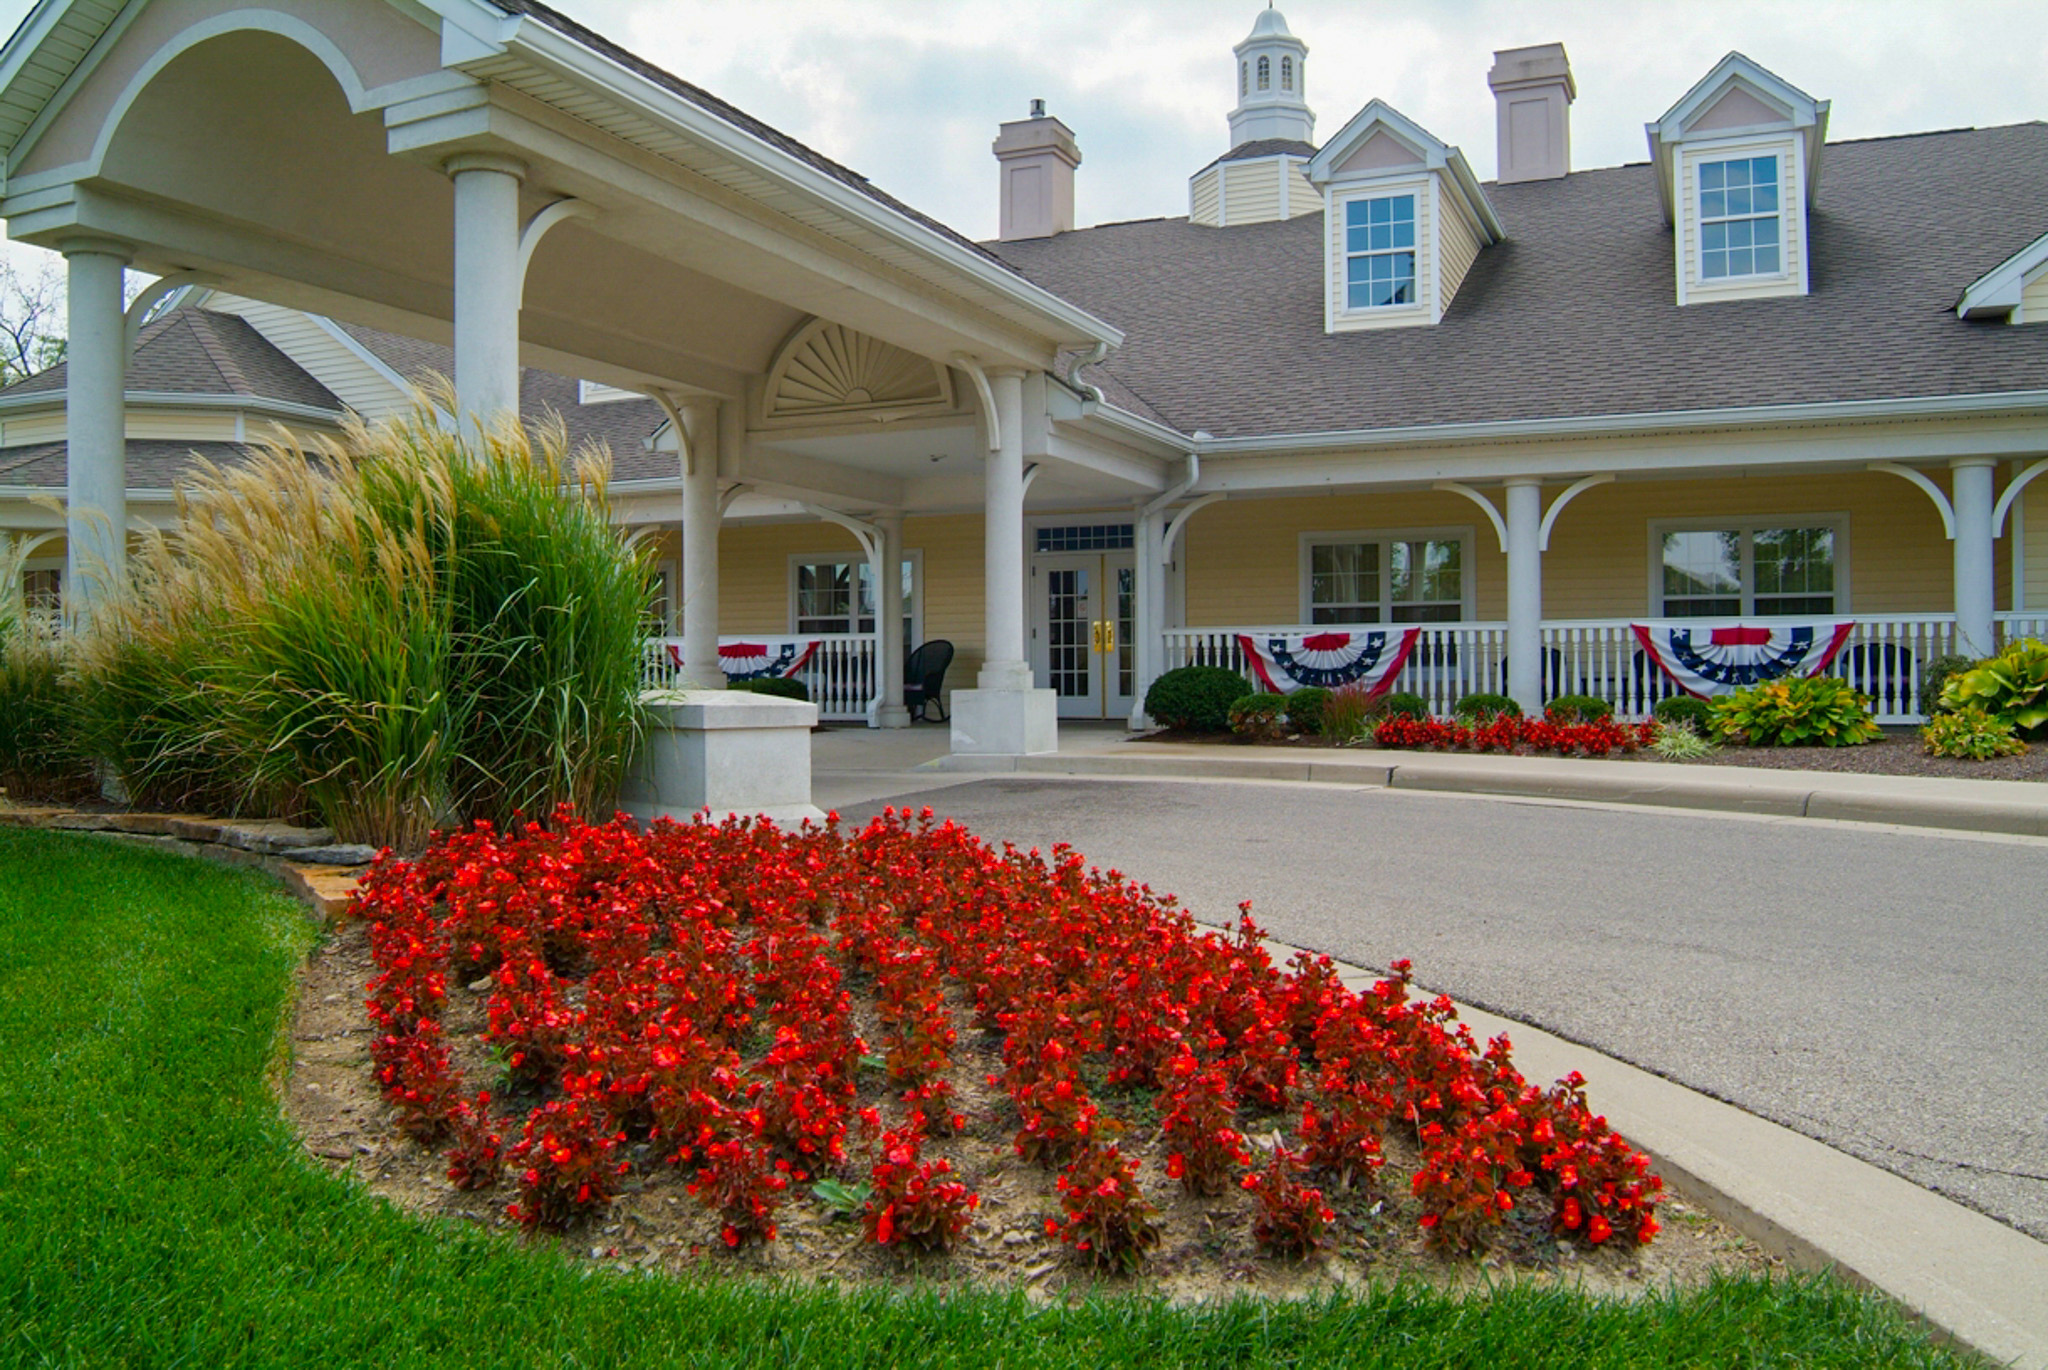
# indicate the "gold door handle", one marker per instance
pixel 1108 635
pixel 1095 629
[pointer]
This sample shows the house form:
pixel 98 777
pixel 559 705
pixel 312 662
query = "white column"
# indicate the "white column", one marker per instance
pixel 1976 603
pixel 1525 593
pixel 700 444
pixel 487 283
pixel 889 645
pixel 1004 666
pixel 1149 609
pixel 96 445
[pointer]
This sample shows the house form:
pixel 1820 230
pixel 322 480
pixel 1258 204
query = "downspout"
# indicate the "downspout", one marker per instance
pixel 1095 355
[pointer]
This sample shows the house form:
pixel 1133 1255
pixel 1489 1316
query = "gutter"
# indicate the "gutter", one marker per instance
pixel 560 52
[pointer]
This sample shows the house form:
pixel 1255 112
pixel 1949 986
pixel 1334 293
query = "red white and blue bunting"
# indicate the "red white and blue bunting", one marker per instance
pixel 1713 658
pixel 1286 662
pixel 759 659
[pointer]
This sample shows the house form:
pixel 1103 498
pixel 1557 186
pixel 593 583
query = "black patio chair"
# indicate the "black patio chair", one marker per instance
pixel 924 675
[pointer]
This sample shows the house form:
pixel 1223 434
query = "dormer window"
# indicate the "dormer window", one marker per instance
pixel 1739 218
pixel 1379 251
pixel 1265 73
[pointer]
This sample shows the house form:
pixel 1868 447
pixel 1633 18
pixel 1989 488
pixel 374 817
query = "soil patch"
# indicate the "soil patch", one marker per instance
pixel 1207 1248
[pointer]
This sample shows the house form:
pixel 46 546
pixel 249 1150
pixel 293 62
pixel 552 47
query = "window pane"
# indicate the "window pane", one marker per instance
pixel 1426 571
pixel 1797 562
pixel 1713 204
pixel 1344 575
pixel 1763 171
pixel 1713 175
pixel 1703 563
pixel 1766 260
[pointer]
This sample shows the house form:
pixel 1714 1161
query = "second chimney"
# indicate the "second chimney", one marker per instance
pixel 1037 157
pixel 1532 92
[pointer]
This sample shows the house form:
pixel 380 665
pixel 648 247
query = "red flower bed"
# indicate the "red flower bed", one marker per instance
pixel 1507 733
pixel 693 987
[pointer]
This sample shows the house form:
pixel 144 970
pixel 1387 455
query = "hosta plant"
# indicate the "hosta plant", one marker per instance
pixel 2012 685
pixel 1679 741
pixel 1796 711
pixel 1971 734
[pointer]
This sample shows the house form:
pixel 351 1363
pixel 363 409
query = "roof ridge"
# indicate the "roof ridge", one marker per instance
pixel 216 352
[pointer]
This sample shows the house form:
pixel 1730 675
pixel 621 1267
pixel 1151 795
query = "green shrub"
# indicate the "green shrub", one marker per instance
pixel 1971 734
pixel 2012 685
pixel 396 629
pixel 1796 711
pixel 1349 711
pixel 1685 709
pixel 1679 740
pixel 1934 677
pixel 1402 704
pixel 1486 705
pixel 1578 709
pixel 1305 710
pixel 1196 699
pixel 781 687
pixel 1260 718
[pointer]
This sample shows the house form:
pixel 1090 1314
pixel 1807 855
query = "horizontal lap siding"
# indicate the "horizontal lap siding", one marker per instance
pixel 1242 558
pixel 2035 543
pixel 1202 198
pixel 1251 193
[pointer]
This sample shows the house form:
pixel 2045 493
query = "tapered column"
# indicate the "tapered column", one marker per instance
pixel 1976 602
pixel 1004 666
pixel 1149 609
pixel 700 444
pixel 487 284
pixel 96 424
pixel 1525 593
pixel 889 611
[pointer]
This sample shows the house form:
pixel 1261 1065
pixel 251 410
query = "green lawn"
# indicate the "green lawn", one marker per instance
pixel 154 1210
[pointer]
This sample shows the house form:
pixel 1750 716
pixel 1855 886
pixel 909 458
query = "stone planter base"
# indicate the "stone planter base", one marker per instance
pixel 1005 722
pixel 727 751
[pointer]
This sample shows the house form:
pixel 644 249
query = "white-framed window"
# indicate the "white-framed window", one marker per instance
pixel 1244 78
pixel 1265 73
pixel 1287 73
pixel 835 593
pixel 1379 251
pixel 1741 232
pixel 1741 568
pixel 1399 576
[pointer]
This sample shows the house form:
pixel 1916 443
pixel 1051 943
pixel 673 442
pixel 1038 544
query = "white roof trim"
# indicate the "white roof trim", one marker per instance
pixel 1808 116
pixel 1436 155
pixel 1996 293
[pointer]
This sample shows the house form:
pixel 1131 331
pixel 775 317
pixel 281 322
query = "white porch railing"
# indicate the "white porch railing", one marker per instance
pixel 840 674
pixel 1883 657
pixel 2026 623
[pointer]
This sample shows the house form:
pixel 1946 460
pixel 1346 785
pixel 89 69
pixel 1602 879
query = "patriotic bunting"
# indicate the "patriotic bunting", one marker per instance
pixel 1709 659
pixel 1286 662
pixel 768 658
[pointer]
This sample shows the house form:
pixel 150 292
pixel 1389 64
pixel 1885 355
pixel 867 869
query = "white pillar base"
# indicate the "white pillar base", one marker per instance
pixel 1005 722
pixel 731 753
pixel 893 715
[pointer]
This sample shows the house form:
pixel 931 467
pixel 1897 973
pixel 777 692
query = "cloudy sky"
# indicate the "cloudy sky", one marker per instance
pixel 909 92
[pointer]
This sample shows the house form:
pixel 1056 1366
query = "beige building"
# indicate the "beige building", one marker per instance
pixel 1759 386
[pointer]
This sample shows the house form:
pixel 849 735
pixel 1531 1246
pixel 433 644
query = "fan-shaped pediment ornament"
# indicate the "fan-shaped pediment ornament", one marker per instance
pixel 827 370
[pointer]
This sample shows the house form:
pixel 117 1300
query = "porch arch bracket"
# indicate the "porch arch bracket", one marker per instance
pixel 154 294
pixel 1031 474
pixel 988 397
pixel 868 535
pixel 2012 492
pixel 1458 487
pixel 1180 521
pixel 1920 478
pixel 732 492
pixel 1571 492
pixel 545 218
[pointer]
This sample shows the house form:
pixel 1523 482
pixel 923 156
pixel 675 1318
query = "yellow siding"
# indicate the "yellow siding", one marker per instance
pixel 33 428
pixel 1252 192
pixel 202 427
pixel 1425 248
pixel 2034 300
pixel 1242 558
pixel 1202 197
pixel 323 356
pixel 1792 224
pixel 1303 197
pixel 2033 515
pixel 1460 246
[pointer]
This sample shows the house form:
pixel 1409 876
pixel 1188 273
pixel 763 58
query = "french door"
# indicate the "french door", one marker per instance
pixel 1083 620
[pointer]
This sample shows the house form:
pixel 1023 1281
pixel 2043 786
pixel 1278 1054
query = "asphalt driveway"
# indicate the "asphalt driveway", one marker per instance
pixel 1883 991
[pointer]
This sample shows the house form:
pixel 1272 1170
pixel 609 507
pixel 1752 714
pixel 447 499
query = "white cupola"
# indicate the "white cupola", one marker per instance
pixel 1272 70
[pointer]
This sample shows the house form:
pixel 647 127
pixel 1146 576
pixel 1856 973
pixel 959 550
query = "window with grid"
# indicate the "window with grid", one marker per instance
pixel 1741 570
pixel 1387 580
pixel 837 595
pixel 1739 227
pixel 1265 73
pixel 1379 252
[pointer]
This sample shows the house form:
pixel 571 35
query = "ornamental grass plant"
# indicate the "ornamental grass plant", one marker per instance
pixel 391 630
pixel 40 759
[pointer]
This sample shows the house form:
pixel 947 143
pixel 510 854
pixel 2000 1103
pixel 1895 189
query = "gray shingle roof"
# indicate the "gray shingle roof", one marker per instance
pixel 1265 147
pixel 190 351
pixel 1575 314
pixel 153 464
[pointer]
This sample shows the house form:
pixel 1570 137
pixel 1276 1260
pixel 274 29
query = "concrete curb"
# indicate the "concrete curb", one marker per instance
pixel 1984 806
pixel 1980 1284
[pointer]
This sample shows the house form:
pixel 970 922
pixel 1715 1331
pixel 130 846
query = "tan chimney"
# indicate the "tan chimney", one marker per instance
pixel 1532 93
pixel 1036 158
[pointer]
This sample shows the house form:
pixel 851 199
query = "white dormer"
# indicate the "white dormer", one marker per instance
pixel 1738 162
pixel 1404 220
pixel 2015 290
